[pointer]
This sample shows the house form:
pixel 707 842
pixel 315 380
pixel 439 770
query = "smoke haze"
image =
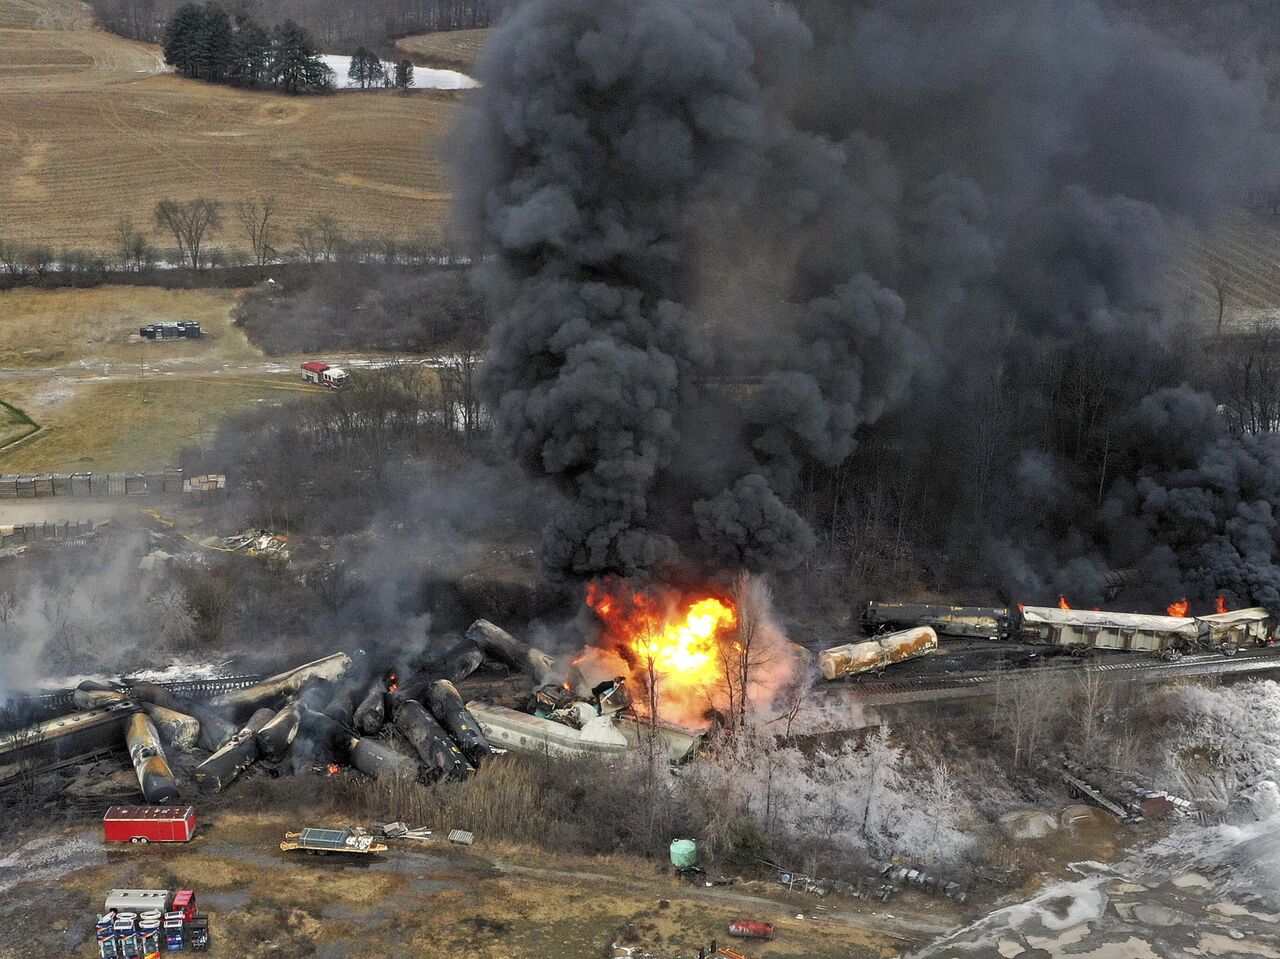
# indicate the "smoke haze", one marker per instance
pixel 743 248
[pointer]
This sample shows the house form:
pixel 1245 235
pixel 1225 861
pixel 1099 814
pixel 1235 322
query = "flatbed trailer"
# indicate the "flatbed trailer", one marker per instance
pixel 321 842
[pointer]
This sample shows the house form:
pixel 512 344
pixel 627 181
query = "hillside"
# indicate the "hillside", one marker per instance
pixel 94 132
pixel 45 14
pixel 444 49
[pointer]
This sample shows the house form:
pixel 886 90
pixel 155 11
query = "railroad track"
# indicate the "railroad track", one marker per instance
pixel 978 684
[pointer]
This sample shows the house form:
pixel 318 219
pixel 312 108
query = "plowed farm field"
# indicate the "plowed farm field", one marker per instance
pixel 93 130
pixel 1244 248
pixel 445 49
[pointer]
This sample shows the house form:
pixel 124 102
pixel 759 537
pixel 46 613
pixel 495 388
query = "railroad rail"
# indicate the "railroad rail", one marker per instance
pixel 976 685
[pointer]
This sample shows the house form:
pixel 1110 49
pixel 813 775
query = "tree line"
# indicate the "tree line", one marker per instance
pixel 191 225
pixel 336 24
pixel 204 43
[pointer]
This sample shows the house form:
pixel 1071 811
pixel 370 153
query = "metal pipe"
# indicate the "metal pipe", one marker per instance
pixel 239 702
pixel 447 706
pixel 371 714
pixel 497 642
pixel 154 775
pixel 439 754
pixel 239 753
pixel 376 760
pixel 91 694
pixel 177 729
pixel 215 729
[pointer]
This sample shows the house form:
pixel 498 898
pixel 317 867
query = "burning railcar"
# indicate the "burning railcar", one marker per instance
pixel 1080 630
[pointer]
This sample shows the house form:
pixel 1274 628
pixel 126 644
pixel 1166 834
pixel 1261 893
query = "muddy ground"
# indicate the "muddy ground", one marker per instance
pixel 426 899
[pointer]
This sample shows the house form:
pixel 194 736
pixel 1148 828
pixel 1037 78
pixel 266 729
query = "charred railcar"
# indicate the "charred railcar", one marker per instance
pixel 1082 630
pixel 969 622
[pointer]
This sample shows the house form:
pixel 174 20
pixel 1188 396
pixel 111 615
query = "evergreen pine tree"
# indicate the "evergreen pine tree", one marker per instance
pixel 216 42
pixel 250 54
pixel 184 39
pixel 295 65
pixel 404 75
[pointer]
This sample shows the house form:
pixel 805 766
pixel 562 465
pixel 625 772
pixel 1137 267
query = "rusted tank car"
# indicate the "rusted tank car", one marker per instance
pixel 876 654
pixel 149 762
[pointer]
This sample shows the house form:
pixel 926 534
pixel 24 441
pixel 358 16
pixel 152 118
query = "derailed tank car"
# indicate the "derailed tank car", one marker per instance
pixel 969 622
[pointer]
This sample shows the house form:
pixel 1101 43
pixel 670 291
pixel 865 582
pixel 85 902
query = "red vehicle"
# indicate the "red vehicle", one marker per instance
pixel 322 374
pixel 751 929
pixel 149 824
pixel 184 901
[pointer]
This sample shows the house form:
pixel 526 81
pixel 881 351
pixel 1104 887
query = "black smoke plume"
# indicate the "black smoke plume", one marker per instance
pixel 744 251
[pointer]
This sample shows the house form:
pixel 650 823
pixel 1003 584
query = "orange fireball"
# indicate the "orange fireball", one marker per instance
pixel 1062 603
pixel 1180 608
pixel 1222 604
pixel 675 636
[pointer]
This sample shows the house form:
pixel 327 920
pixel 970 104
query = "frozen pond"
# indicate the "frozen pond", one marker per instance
pixel 1202 892
pixel 424 78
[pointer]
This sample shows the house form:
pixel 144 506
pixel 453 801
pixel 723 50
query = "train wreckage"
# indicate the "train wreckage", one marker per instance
pixel 331 711
pixel 1079 629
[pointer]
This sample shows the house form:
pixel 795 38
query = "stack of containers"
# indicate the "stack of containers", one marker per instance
pixel 149 934
pixel 126 929
pixel 106 932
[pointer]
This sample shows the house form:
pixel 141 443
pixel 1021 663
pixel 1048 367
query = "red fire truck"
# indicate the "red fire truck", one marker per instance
pixel 138 824
pixel 322 374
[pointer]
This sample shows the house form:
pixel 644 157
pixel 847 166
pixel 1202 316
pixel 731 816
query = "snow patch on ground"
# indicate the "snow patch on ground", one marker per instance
pixel 424 78
pixel 48 857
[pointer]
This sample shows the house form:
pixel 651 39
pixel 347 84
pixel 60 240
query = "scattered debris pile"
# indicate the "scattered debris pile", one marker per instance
pixel 1123 798
pixel 257 542
pixel 330 713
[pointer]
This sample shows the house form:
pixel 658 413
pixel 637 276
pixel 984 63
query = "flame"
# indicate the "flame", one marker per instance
pixel 393 687
pixel 1222 604
pixel 334 769
pixel 1180 608
pixel 1062 603
pixel 676 636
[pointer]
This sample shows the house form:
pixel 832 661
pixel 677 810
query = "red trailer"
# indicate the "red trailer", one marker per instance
pixel 149 824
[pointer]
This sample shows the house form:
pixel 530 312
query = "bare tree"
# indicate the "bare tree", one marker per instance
pixel 742 659
pixel 189 222
pixel 1026 706
pixel 256 218
pixel 1091 697
pixel 328 233
pixel 13 259
pixel 1222 290
pixel 1251 380
pixel 309 244
pixel 460 403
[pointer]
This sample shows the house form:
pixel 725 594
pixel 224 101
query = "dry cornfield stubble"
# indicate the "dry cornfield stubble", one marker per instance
pixel 445 49
pixel 92 131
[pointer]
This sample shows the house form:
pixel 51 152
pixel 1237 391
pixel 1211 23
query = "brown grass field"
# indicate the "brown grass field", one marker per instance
pixel 445 49
pixel 45 14
pixel 44 328
pixel 90 132
pixel 136 424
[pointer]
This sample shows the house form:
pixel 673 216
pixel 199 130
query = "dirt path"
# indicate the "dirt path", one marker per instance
pixel 913 929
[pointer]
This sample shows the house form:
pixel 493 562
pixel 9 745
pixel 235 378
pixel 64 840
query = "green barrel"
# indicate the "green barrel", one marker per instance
pixel 684 853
